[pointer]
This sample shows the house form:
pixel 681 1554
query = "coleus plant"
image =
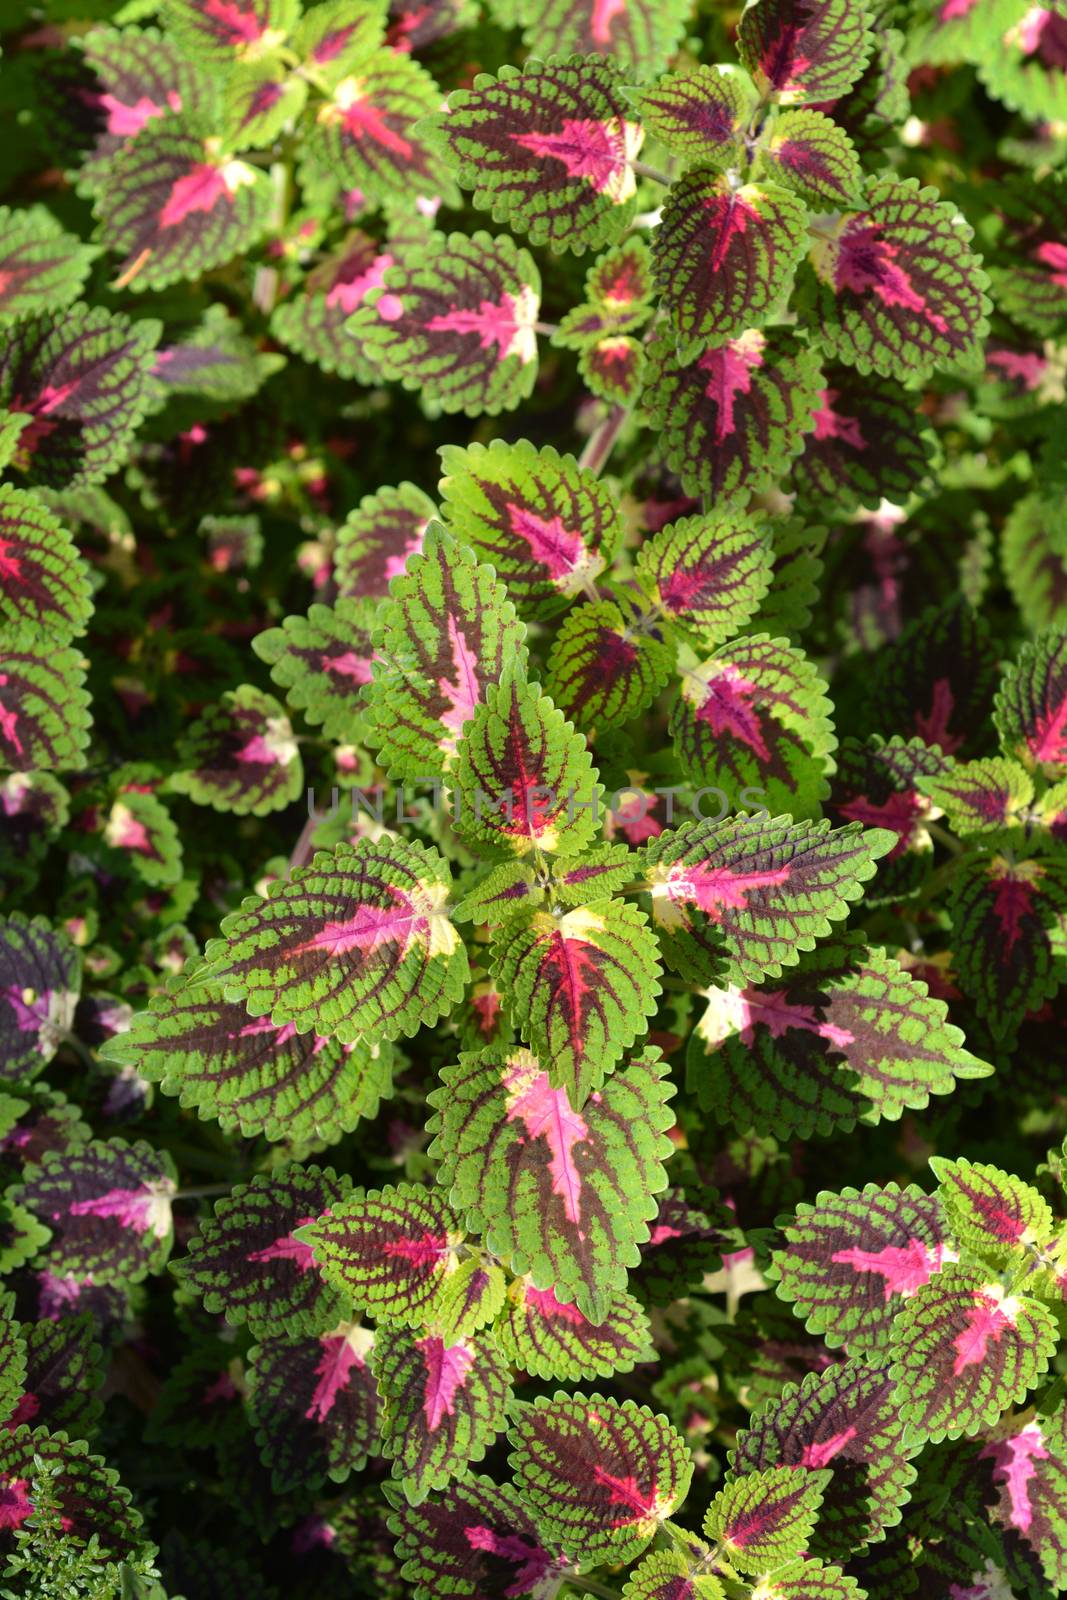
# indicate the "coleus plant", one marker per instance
pixel 533 793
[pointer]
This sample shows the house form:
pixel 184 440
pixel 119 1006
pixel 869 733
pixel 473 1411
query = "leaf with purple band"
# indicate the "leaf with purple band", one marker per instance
pixel 252 1076
pixel 525 779
pixel 700 113
pixel 811 1580
pixel 82 379
pixel 224 31
pixel 724 256
pixel 876 783
pixel 240 756
pixel 846 1418
pixel 755 716
pixel 732 420
pixel 853 1037
pixel 313 1405
pixel 548 525
pixel 670 1575
pixel 561 1194
pixel 471 1297
pixel 44 707
pixel 684 1246
pixel 991 1212
pixel 1033 553
pixel 618 296
pixel 964 1350
pixel 376 541
pixel 869 444
pixel 475 1539
pixel 323 662
pixel 852 1260
pixel 390 1253
pixel 552 1339
pixel 359 942
pixel 40 979
pixel 41 267
pixel 600 1476
pixel 605 668
pixel 766 1518
pixel 443 1404
pixel 548 150
pixel 743 898
pixel 582 986
pixel 708 573
pixel 246 1263
pixel 64 1374
pixel 259 101
pixel 90 1502
pixel 107 1207
pixel 173 209
pixel 804 52
pixel 641 35
pixel 604 870
pixel 613 369
pixel 373 133
pixel 895 288
pixel 937 680
pixel 43 579
pixel 199 1403
pixel 444 638
pixel 977 797
pixel 456 322
pixel 1031 705
pixel 216 360
pixel 1028 273
pixel 333 38
pixel 1024 1462
pixel 807 152
pixel 312 322
pixel 1009 923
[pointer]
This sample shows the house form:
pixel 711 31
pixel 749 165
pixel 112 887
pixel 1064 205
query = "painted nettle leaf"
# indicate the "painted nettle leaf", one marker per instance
pixel 533 799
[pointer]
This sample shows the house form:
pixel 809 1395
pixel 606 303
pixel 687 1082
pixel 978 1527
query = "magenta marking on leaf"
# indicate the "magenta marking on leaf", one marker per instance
pixel 727 709
pixel 352 294
pixel 244 27
pixel 428 1250
pixel 831 424
pixel 500 322
pixel 15 1502
pixel 126 120
pixel 332 44
pixel 867 263
pixel 369 928
pixel 1048 742
pixel 10 566
pixel 390 308
pixel 899 813
pixel 1053 254
pixel 986 1321
pixel 950 10
pixel 603 15
pixel 821 1454
pixel 332 1374
pixel 30 1007
pixel 595 151
pixel 364 120
pixel 221 1388
pixel 532 1562
pixel 129 833
pixel 932 727
pixel 289 1249
pixel 783 65
pixel 625 1492
pixel 558 550
pixel 547 1114
pixel 9 720
pixel 714 890
pixel 447 1367
pixel 546 1305
pixel 572 962
pixel 462 691
pixel 730 368
pixel 729 220
pixel 1024 366
pixel 1014 1466
pixel 903 1268
pixel 138 1209
pixel 779 1014
pixel 199 190
pixel 1012 903
pixel 348 665
pixel 487 1008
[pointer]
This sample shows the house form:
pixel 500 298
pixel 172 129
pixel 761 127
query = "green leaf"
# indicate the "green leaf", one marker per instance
pixel 605 668
pixel 1033 554
pixel 990 1211
pixel 766 1518
pixel 808 153
pixel 708 573
pixel 244 30
pixel 978 797
pixel 641 35
pixel 41 266
pixel 700 113
pixel 323 661
pixel 549 1338
pixel 668 1575
pixel 1009 925
pixel 618 296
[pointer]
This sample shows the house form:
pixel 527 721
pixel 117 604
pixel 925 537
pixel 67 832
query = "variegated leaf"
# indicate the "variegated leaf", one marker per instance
pixel 313 1405
pixel 376 541
pixel 766 1518
pixel 708 573
pixel 323 662
pixel 804 52
pixel 607 665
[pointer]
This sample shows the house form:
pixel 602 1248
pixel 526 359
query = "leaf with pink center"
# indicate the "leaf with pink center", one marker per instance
pixel 991 1212
pixel 767 1518
pixel 141 838
pixel 548 526
pixel 456 322
pixel 600 1476
pixel 895 288
pixel 312 321
pixel 1009 930
pixel 525 780
pixel 89 1500
pixel 390 1253
pixel 259 101
pixel 377 540
pixel 846 1418
pixel 333 38
pixel 869 444
pixel 613 369
pixel 755 719
pixel 1025 1464
pixel 246 1263
pixel 618 297
pixel 313 1405
pixel 853 1260
pixel 446 636
pixel 582 985
pixel 743 898
pixel 937 680
pixel 964 1350
pixel 803 52
pixel 357 943
pixel 877 784
pixel 323 662
pixel 44 707
pixel 1022 63
pixel 443 1404
pixel 41 267
pixel 641 36
pixel 808 153
pixel 1031 704
pixel 173 209
pixel 992 796
pixel 476 1538
pixel 670 1575
pixel 1030 269
pixel 684 1246
pixel 731 421
pixel 561 1195
pixel 108 1209
pixel 550 1338
pixel 374 132
pixel 240 756
pixel 549 150
pixel 708 574
pixel 81 379
pixel 40 980
pixel 606 665
pixel 252 1076
pixel 852 1038
pixel 724 257
pixel 700 113
pixel 224 31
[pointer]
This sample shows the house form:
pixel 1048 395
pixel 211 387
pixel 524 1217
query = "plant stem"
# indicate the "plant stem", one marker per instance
pixel 643 170
pixel 943 837
pixel 202 1192
pixel 81 1050
pixel 302 848
pixel 601 441
pixel 590 1586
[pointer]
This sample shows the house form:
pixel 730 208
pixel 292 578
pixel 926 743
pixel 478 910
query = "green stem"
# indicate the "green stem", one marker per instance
pixel 202 1192
pixel 643 170
pixel 82 1051
pixel 590 1586
pixel 943 837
